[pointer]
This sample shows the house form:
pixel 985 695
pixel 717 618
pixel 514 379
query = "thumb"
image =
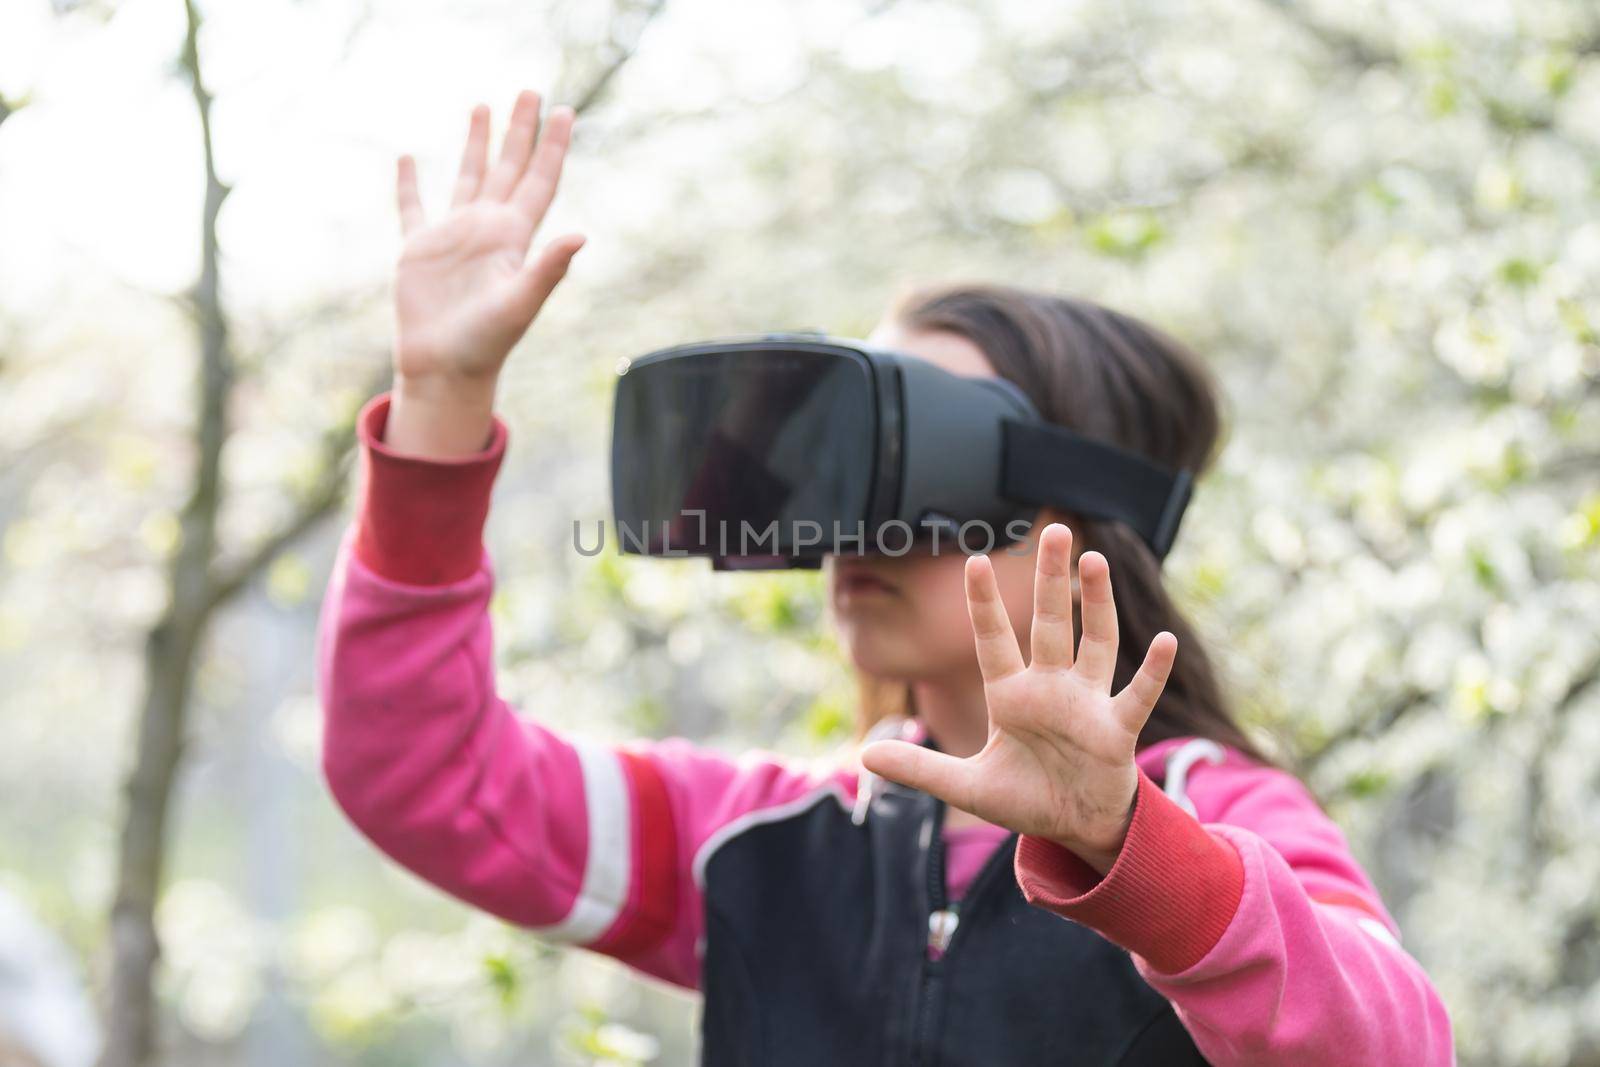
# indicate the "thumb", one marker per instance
pixel 935 773
pixel 535 282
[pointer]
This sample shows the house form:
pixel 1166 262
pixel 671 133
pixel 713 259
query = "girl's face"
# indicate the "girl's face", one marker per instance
pixel 905 617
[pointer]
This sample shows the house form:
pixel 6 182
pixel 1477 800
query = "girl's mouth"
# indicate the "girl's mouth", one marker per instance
pixel 860 583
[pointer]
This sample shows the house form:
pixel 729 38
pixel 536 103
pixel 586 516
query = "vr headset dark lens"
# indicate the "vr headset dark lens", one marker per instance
pixel 778 450
pixel 718 446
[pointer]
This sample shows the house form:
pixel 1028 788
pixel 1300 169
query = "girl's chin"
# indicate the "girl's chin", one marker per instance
pixel 890 660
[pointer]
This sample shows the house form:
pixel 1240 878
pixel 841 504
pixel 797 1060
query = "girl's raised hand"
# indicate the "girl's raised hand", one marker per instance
pixel 1059 760
pixel 465 291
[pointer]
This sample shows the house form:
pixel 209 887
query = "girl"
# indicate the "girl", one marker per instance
pixel 1003 881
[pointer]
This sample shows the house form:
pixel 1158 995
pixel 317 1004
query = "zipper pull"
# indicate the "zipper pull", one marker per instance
pixel 941 928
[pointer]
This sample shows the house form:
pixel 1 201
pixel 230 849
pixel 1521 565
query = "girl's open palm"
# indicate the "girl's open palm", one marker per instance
pixel 464 289
pixel 1059 760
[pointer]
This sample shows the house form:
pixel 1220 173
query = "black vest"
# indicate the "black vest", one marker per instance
pixel 815 955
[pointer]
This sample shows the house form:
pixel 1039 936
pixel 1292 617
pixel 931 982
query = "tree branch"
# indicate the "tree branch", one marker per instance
pixel 1340 42
pixel 336 451
pixel 621 51
pixel 1375 725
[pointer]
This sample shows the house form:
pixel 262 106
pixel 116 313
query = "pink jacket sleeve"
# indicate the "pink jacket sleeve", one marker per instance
pixel 1250 915
pixel 585 843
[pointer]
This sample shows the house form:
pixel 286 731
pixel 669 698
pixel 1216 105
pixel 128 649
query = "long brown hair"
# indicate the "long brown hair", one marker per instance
pixel 1111 377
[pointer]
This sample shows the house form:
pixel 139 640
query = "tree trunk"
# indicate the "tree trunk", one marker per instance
pixel 171 647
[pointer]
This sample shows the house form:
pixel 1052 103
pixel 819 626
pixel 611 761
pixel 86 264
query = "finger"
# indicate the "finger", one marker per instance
pixel 998 654
pixel 410 202
pixel 538 279
pixel 1138 698
pixel 516 147
pixel 474 157
pixel 1097 654
pixel 538 185
pixel 1051 640
pixel 935 773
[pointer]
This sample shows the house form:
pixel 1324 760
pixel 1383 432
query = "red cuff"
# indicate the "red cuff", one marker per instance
pixel 418 520
pixel 1172 892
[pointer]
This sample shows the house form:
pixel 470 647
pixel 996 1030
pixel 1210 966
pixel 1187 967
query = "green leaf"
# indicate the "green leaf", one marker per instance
pixel 646 715
pixel 1367 783
pixel 1125 234
pixel 1482 569
pixel 828 719
pixel 1558 73
pixel 503 978
pixel 1442 97
pixel 1519 273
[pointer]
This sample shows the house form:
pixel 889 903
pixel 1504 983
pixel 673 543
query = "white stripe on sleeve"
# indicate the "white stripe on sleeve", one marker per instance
pixel 606 868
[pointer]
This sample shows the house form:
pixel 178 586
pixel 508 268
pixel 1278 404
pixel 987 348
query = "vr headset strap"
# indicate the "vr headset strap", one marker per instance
pixel 1044 464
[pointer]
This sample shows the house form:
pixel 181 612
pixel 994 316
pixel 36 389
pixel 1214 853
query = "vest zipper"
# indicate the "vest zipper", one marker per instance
pixel 944 928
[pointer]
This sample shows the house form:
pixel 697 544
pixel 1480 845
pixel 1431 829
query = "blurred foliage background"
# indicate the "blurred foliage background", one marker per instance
pixel 1376 218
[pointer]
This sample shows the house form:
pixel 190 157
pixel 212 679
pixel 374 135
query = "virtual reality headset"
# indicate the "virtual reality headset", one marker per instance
pixel 774 451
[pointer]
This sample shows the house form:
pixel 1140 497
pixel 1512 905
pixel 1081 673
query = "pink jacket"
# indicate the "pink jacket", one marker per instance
pixel 1235 894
